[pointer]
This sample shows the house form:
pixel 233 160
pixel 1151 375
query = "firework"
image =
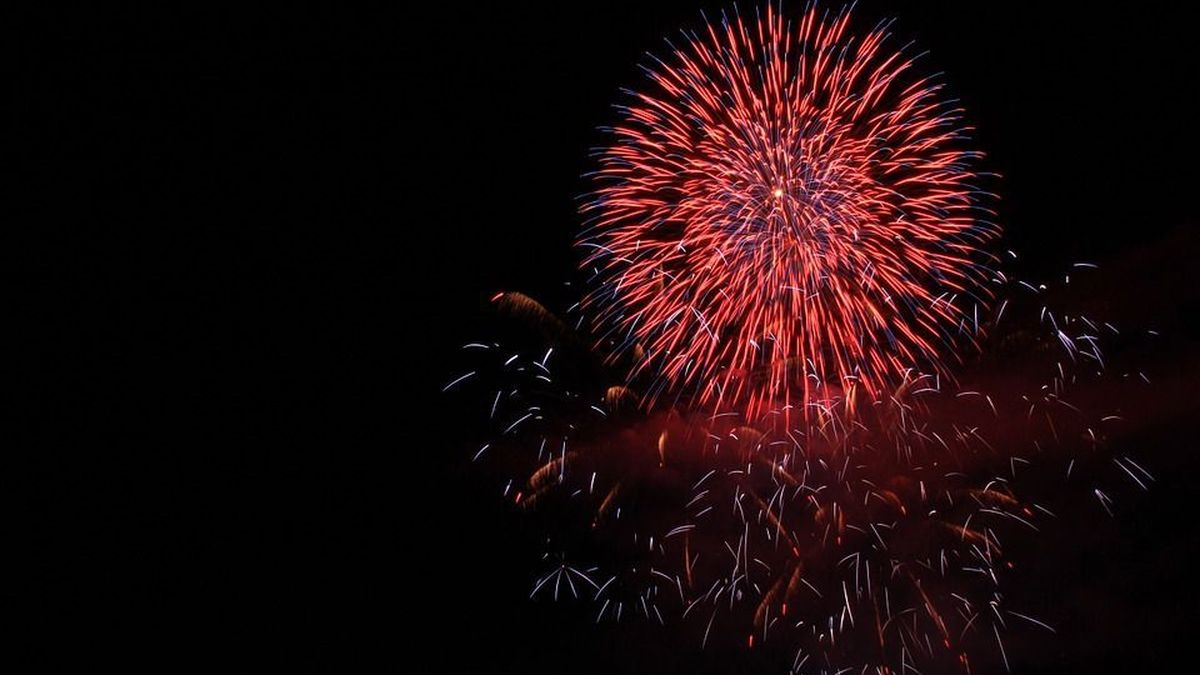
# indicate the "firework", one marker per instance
pixel 788 220
pixel 875 536
pixel 786 208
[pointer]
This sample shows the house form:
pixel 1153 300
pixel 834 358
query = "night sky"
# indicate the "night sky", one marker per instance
pixel 269 234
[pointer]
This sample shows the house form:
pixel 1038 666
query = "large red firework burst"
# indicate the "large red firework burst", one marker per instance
pixel 786 208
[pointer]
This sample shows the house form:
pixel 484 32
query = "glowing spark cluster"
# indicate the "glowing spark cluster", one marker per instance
pixel 786 208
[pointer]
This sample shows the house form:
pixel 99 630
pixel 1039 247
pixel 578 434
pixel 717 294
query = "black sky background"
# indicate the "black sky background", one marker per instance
pixel 262 237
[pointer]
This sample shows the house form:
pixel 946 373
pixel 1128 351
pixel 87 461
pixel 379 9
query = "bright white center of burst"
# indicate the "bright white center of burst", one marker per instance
pixel 778 193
